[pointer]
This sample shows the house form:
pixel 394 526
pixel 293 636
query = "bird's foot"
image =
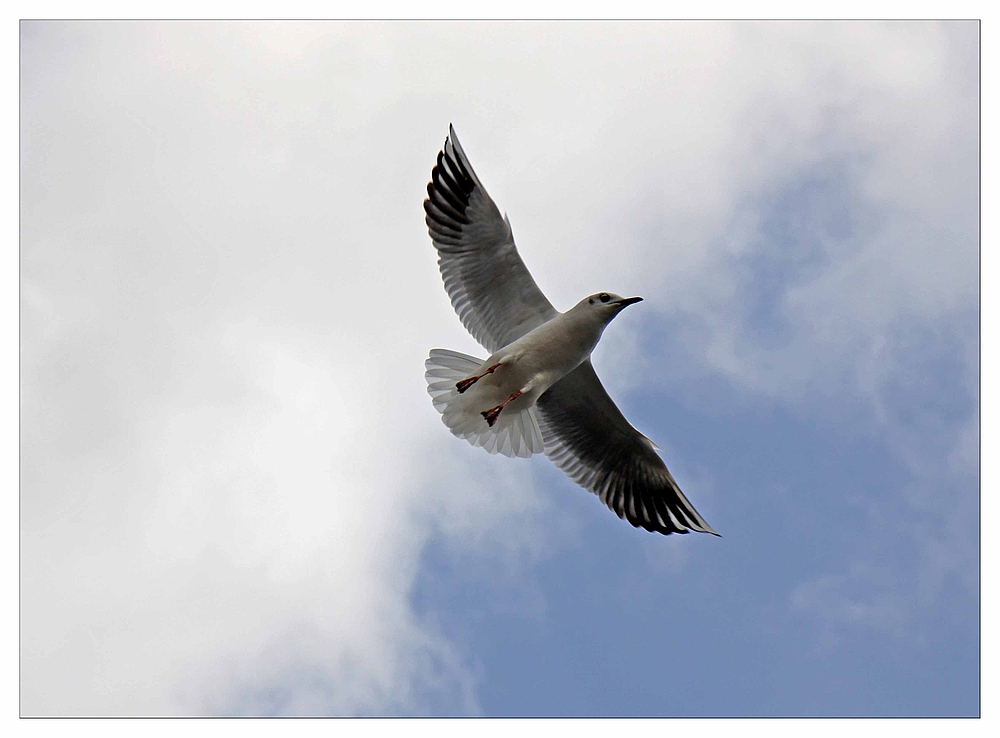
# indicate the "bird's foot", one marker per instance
pixel 493 413
pixel 466 383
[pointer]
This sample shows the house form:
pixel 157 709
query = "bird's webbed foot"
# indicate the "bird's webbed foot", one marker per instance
pixel 493 413
pixel 464 384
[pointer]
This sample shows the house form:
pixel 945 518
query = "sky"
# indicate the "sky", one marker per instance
pixel 237 499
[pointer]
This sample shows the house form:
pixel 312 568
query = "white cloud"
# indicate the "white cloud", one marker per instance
pixel 863 596
pixel 230 467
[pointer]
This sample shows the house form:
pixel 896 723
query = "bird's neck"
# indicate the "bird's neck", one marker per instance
pixel 581 330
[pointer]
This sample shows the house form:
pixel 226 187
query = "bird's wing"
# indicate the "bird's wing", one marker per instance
pixel 489 286
pixel 587 437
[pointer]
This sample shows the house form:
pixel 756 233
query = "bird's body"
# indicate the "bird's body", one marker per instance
pixel 515 376
pixel 537 391
pixel 546 354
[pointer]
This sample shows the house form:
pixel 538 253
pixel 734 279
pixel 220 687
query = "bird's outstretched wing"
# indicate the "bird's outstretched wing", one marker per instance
pixel 587 437
pixel 489 286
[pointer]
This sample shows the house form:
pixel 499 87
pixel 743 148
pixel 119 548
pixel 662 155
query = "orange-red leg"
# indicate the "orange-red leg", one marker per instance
pixel 492 414
pixel 466 383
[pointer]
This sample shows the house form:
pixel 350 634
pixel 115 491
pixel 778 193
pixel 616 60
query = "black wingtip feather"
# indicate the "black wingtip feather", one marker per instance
pixel 588 438
pixel 449 188
pixel 462 170
pixel 447 209
pixel 441 174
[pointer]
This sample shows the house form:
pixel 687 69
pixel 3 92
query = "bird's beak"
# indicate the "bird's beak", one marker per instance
pixel 628 301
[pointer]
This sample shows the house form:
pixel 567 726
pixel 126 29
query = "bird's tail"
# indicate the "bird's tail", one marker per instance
pixel 513 433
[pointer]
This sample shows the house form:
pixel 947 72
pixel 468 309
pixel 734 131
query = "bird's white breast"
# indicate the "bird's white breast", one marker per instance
pixel 546 354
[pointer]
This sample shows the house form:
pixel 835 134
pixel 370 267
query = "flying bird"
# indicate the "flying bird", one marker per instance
pixel 537 392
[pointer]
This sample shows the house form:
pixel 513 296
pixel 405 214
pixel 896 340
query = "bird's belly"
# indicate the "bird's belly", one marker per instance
pixel 509 379
pixel 529 370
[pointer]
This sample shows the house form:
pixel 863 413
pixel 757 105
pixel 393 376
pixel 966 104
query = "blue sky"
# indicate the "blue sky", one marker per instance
pixel 236 497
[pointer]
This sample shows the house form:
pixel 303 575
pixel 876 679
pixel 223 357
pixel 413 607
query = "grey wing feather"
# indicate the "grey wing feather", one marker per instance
pixel 489 286
pixel 587 437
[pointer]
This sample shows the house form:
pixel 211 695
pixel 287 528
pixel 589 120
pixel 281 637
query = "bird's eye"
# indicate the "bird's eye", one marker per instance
pixel 604 297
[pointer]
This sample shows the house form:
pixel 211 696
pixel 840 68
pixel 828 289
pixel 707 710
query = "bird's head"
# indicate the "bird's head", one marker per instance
pixel 606 305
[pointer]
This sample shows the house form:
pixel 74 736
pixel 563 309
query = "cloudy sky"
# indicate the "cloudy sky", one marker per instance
pixel 236 497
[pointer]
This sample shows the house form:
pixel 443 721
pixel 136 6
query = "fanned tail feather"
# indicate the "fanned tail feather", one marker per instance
pixel 513 434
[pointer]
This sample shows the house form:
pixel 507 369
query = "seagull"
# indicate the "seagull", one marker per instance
pixel 537 392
